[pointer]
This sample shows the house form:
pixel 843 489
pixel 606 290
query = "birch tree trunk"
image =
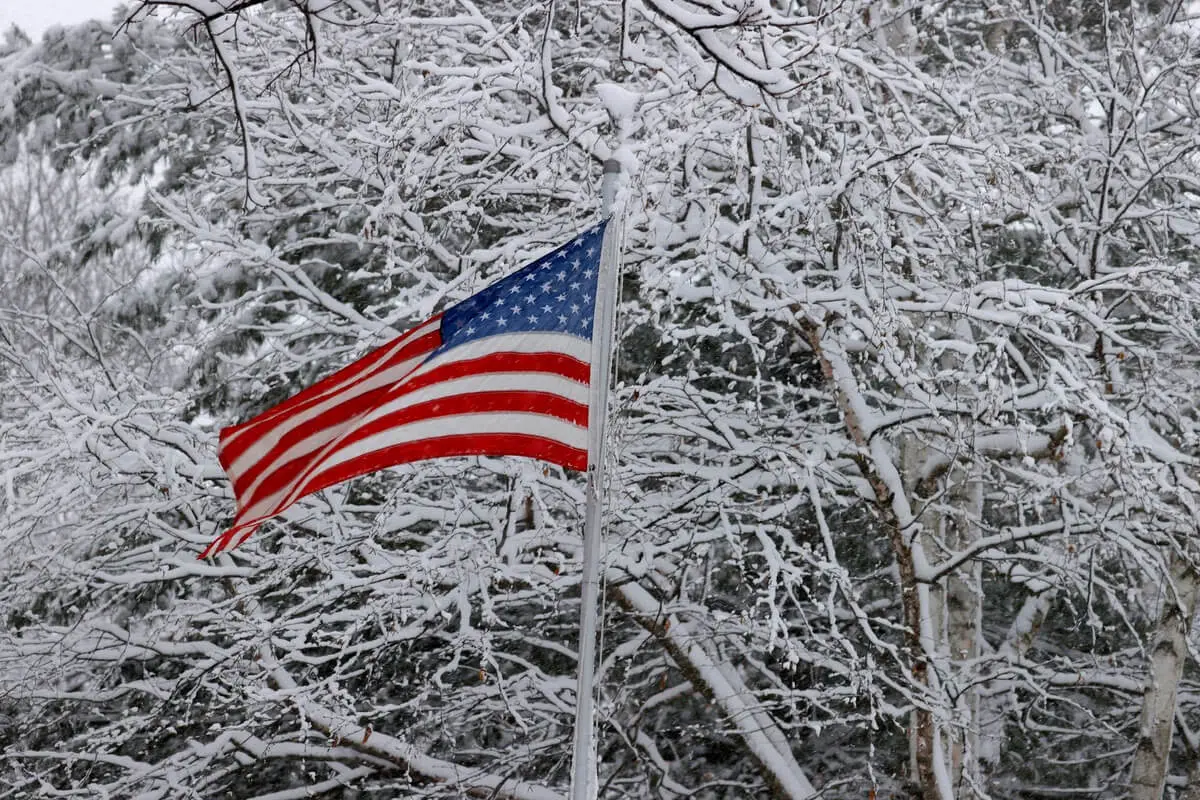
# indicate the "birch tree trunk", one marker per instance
pixel 955 603
pixel 1152 757
pixel 964 617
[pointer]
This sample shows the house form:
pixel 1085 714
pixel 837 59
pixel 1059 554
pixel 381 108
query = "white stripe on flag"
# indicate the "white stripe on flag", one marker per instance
pixel 531 342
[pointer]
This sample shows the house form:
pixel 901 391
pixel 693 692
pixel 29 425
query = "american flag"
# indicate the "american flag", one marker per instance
pixel 504 372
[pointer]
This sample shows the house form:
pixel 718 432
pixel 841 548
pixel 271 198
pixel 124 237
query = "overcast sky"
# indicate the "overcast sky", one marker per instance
pixel 34 16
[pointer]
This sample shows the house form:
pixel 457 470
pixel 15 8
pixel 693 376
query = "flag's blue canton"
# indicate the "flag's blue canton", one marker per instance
pixel 555 294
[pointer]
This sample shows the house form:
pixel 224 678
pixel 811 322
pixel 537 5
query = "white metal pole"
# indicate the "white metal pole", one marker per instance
pixel 584 774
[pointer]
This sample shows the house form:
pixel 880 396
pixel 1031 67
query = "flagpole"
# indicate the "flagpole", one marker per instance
pixel 584 776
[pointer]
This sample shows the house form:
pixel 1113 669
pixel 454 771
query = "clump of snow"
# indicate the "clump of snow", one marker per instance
pixel 620 103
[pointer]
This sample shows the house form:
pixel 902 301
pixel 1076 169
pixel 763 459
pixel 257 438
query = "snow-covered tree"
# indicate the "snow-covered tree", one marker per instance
pixel 903 439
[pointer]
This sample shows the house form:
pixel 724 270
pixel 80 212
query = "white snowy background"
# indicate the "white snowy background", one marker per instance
pixel 904 441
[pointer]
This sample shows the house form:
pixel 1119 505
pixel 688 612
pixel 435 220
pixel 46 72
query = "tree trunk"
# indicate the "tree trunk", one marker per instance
pixel 955 606
pixel 964 618
pixel 1152 756
pixel 929 767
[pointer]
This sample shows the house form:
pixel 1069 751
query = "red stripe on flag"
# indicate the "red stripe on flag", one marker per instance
pixel 235 439
pixel 524 402
pixel 510 444
pixel 353 409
